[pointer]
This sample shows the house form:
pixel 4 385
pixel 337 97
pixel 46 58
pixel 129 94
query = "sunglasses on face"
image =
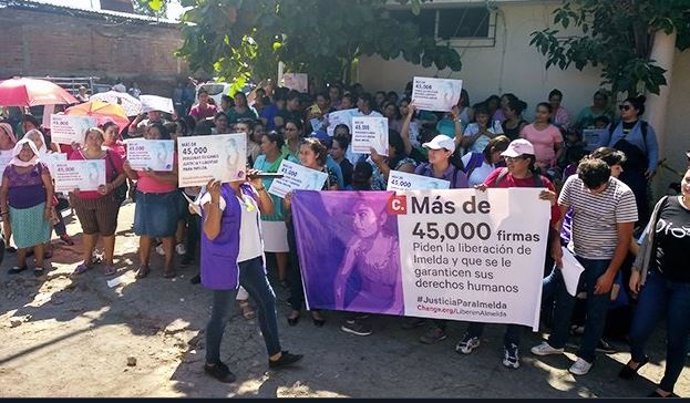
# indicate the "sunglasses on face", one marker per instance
pixel 624 107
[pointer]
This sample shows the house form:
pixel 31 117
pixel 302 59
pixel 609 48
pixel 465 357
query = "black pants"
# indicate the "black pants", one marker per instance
pixel 294 277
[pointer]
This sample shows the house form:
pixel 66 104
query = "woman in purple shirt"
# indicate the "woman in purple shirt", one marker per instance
pixel 232 255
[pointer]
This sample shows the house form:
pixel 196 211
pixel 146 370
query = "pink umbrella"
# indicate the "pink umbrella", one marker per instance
pixel 31 92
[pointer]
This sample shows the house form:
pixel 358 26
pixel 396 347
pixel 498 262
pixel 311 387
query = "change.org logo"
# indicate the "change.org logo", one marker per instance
pixel 397 205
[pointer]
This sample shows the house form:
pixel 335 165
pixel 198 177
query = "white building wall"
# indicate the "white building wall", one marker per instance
pixel 512 65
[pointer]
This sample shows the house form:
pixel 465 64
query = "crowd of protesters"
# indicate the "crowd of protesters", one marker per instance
pixel 632 249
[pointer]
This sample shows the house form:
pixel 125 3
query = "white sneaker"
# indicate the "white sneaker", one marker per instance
pixel 580 367
pixel 160 250
pixel 180 249
pixel 545 349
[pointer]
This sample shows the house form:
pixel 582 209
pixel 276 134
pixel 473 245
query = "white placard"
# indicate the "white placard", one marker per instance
pixel 51 159
pixel 370 132
pixel 401 181
pixel 85 175
pixel 155 103
pixel 593 138
pixel 66 129
pixel 201 158
pixel 436 94
pixel 157 155
pixel 340 117
pixel 5 158
pixel 296 81
pixel 296 177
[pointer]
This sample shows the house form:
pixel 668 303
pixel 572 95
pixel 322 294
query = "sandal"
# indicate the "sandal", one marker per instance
pixel 39 271
pixel 109 270
pixel 81 269
pixel 142 272
pixel 169 273
pixel 247 310
pixel 17 269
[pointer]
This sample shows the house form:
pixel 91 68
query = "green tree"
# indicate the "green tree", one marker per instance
pixel 616 35
pixel 152 8
pixel 236 40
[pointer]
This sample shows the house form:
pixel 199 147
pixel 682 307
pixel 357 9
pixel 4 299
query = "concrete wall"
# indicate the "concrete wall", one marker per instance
pixel 677 140
pixel 509 66
pixel 38 43
pixel 514 66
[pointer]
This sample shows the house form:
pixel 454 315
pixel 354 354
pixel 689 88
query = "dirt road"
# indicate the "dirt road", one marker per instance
pixel 78 337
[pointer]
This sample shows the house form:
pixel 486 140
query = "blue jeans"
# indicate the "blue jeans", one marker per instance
pixel 253 279
pixel 512 335
pixel 597 307
pixel 660 297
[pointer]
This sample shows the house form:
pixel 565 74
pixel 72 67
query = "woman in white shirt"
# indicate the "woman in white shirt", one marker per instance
pixel 477 134
pixel 478 166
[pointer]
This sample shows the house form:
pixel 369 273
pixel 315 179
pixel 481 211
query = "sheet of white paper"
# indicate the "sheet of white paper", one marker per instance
pixel 195 206
pixel 571 271
pixel 402 181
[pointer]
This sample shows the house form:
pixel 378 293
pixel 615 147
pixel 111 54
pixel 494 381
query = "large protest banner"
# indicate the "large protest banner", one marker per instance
pixel 459 254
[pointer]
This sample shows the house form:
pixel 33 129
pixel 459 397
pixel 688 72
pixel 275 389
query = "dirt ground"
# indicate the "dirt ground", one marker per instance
pixel 68 337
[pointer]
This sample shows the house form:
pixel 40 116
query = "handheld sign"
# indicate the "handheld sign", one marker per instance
pixel 70 129
pixel 85 175
pixel 370 132
pixel 51 159
pixel 296 177
pixel 5 158
pixel 296 81
pixel 593 138
pixel 340 117
pixel 157 155
pixel 401 181
pixel 435 94
pixel 156 103
pixel 201 158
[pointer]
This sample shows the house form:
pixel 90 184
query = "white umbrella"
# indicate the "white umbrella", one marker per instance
pixel 131 105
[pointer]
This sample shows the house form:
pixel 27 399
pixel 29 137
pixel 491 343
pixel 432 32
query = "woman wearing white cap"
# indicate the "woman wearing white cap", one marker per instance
pixel 440 166
pixel 520 171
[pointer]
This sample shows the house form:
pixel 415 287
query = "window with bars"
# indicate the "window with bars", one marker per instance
pixel 450 23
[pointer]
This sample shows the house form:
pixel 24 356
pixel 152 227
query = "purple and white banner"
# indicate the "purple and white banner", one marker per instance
pixel 458 254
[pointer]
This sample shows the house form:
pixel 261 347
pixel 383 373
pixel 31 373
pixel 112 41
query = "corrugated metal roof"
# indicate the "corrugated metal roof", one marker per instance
pixel 38 5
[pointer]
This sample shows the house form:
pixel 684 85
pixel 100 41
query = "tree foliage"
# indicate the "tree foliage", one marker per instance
pixel 153 8
pixel 239 39
pixel 616 35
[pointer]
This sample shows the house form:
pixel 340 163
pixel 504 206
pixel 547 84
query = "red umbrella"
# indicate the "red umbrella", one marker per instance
pixel 31 92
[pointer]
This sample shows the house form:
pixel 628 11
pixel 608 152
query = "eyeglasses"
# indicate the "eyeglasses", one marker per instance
pixel 519 157
pixel 624 107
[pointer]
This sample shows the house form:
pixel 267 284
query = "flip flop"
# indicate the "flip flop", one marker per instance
pixel 38 272
pixel 17 269
pixel 169 273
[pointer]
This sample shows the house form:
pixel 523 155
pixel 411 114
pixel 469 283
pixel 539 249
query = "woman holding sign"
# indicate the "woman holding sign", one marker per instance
pixel 312 154
pixel 520 171
pixel 232 255
pixel 440 166
pixel 157 208
pixel 25 199
pixel 273 226
pixel 97 210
